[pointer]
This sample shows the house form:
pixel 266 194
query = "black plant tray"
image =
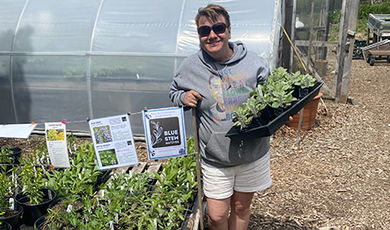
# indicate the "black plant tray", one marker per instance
pixel 279 121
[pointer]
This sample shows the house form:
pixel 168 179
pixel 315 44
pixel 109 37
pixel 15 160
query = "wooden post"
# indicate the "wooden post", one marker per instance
pixel 310 33
pixel 292 35
pixel 323 33
pixel 287 51
pixel 200 192
pixel 345 48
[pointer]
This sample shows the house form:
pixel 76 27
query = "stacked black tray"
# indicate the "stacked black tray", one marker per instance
pixel 276 123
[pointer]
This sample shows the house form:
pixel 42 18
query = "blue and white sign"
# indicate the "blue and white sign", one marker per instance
pixel 165 132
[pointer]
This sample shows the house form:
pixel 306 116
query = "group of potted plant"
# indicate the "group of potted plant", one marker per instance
pixel 68 198
pixel 130 201
pixel 10 213
pixel 272 97
pixel 33 185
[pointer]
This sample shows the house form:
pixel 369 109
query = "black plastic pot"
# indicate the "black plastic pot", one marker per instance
pixel 38 224
pixel 5 226
pixel 14 220
pixel 16 152
pixel 267 115
pixel 102 178
pixel 301 93
pixel 33 211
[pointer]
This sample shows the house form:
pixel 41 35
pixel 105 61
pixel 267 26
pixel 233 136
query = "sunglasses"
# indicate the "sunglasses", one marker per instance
pixel 218 28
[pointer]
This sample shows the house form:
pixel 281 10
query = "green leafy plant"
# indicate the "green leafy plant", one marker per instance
pixel 132 201
pixel 303 80
pixel 80 177
pixel 243 115
pixel 5 158
pixel 32 181
pixel 5 193
pixel 32 176
pixel 5 150
pixel 276 93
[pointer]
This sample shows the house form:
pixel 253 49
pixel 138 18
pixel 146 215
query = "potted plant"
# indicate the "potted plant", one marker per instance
pixel 8 213
pixel 81 178
pixel 76 187
pixel 35 197
pixel 131 201
pixel 13 153
pixel 5 160
pixel 9 157
pixel 302 83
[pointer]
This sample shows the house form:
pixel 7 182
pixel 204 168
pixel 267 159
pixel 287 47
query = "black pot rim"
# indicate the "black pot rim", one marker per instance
pixel 36 222
pixel 20 212
pixel 21 195
pixel 6 224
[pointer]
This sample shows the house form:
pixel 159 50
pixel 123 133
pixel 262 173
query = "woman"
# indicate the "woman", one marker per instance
pixel 217 80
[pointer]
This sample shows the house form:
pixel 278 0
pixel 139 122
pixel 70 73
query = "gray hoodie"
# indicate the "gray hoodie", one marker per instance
pixel 224 87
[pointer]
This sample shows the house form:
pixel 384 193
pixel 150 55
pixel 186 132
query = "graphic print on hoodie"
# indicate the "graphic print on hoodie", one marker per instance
pixel 229 91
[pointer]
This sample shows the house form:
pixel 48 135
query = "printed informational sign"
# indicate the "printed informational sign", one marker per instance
pixel 113 141
pixel 165 133
pixel 55 133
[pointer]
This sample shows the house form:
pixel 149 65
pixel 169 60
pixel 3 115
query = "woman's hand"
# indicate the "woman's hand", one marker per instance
pixel 191 98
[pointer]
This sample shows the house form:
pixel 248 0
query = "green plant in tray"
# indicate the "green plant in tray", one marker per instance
pixel 303 80
pixel 275 93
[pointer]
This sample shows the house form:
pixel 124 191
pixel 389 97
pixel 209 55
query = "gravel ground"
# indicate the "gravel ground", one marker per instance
pixel 338 176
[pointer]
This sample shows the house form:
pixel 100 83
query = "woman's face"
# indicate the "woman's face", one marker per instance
pixel 215 44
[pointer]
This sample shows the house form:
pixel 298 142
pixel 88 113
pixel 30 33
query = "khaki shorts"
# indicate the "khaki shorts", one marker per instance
pixel 219 183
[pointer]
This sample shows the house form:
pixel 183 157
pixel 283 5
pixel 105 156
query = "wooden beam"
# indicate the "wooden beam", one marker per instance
pixel 322 33
pixel 345 48
pixel 316 43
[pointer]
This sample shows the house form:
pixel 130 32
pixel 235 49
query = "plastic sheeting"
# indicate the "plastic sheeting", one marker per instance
pixel 88 59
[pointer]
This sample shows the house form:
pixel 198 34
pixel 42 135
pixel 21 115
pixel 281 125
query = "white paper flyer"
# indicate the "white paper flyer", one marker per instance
pixel 165 132
pixel 17 130
pixel 55 133
pixel 113 141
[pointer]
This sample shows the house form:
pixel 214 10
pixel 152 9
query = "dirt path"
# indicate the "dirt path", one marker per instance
pixel 339 176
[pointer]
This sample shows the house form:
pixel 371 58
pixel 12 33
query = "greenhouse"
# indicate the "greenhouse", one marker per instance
pixel 78 60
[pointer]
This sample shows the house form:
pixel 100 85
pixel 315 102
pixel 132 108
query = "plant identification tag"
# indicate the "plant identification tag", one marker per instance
pixel 260 91
pixel 49 194
pixel 69 208
pixel 111 225
pixel 11 204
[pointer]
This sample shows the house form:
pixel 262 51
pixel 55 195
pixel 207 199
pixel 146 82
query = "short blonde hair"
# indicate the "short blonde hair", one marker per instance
pixel 213 11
